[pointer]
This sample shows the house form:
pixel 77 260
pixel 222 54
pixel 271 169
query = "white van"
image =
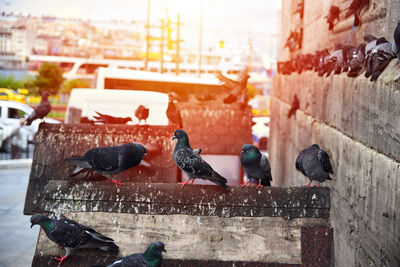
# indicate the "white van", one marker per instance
pixel 118 103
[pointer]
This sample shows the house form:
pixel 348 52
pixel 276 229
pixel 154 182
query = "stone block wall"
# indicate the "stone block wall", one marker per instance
pixel 357 122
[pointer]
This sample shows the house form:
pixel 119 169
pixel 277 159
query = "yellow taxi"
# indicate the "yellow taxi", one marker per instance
pixel 10 94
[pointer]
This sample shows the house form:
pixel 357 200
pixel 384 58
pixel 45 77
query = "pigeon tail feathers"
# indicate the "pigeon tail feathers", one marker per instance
pixel 79 162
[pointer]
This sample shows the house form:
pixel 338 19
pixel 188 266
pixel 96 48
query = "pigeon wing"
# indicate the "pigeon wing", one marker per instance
pixel 324 159
pixel 192 163
pixel 103 158
pixel 264 164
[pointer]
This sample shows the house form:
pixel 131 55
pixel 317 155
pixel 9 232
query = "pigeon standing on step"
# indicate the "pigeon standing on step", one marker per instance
pixel 108 119
pixel 72 235
pixel 314 163
pixel 40 110
pixel 142 113
pixel 255 165
pixel 377 58
pixel 396 43
pixel 173 113
pixel 152 257
pixel 110 160
pixel 191 162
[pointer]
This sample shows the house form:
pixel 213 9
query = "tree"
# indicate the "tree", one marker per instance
pixel 49 78
pixel 71 84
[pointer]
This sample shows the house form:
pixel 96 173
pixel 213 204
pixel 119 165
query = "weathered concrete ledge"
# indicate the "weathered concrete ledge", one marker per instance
pixel 203 200
pixel 200 240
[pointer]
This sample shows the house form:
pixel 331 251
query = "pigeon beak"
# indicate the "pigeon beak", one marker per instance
pixel 173 137
pixel 32 225
pixel 145 155
pixel 164 250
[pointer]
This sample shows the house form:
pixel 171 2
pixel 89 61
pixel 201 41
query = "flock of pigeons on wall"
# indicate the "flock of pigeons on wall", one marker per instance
pixel 373 55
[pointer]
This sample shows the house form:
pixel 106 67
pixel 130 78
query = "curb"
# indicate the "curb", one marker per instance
pixel 15 163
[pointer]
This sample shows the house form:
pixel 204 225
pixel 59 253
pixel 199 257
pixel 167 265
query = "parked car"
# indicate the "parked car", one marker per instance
pixel 11 115
pixel 10 94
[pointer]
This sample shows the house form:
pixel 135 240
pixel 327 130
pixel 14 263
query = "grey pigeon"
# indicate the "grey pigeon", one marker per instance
pixel 152 257
pixel 314 163
pixel 108 119
pixel 110 160
pixel 377 58
pixel 40 110
pixel 72 235
pixel 142 113
pixel 255 165
pixel 396 43
pixel 191 162
pixel 355 58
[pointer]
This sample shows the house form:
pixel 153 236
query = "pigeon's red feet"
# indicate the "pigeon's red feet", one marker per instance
pixel 245 184
pixel 259 184
pixel 61 259
pixel 186 182
pixel 308 185
pixel 115 182
pixel 192 181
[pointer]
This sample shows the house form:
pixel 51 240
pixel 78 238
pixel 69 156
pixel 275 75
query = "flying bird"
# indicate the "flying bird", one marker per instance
pixel 72 235
pixel 142 113
pixel 109 160
pixel 255 165
pixel 40 110
pixel 355 9
pixel 333 15
pixel 152 257
pixel 294 106
pixel 173 113
pixel 314 163
pixel 396 43
pixel 191 162
pixel 237 88
pixel 108 119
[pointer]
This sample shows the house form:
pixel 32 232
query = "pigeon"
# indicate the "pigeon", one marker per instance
pixel 314 163
pixel 294 106
pixel 396 43
pixel 173 113
pixel 333 15
pixel 191 162
pixel 85 119
pixel 355 9
pixel 152 257
pixel 72 235
pixel 320 61
pixel 354 58
pixel 255 165
pixel 109 160
pixel 40 110
pixel 142 113
pixel 378 58
pixel 108 119
pixel 335 62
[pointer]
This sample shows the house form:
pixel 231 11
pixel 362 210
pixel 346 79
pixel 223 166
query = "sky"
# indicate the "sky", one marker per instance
pixel 255 19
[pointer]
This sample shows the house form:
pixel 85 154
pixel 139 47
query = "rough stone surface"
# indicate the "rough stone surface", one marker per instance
pixel 203 238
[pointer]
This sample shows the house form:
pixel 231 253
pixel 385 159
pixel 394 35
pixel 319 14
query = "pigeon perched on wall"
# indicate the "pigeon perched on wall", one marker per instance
pixel 142 113
pixel 110 160
pixel 294 106
pixel 108 119
pixel 255 165
pixel 314 163
pixel 334 62
pixel 40 110
pixel 72 235
pixel 355 9
pixel 355 58
pixel 173 113
pixel 396 43
pixel 321 59
pixel 377 58
pixel 152 257
pixel 333 15
pixel 192 163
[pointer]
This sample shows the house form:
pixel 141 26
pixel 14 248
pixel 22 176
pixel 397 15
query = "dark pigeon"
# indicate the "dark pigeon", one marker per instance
pixel 377 58
pixel 109 160
pixel 173 113
pixel 191 162
pixel 355 9
pixel 255 165
pixel 142 113
pixel 108 119
pixel 152 257
pixel 72 235
pixel 396 43
pixel 294 106
pixel 333 15
pixel 314 163
pixel 40 110
pixel 355 58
